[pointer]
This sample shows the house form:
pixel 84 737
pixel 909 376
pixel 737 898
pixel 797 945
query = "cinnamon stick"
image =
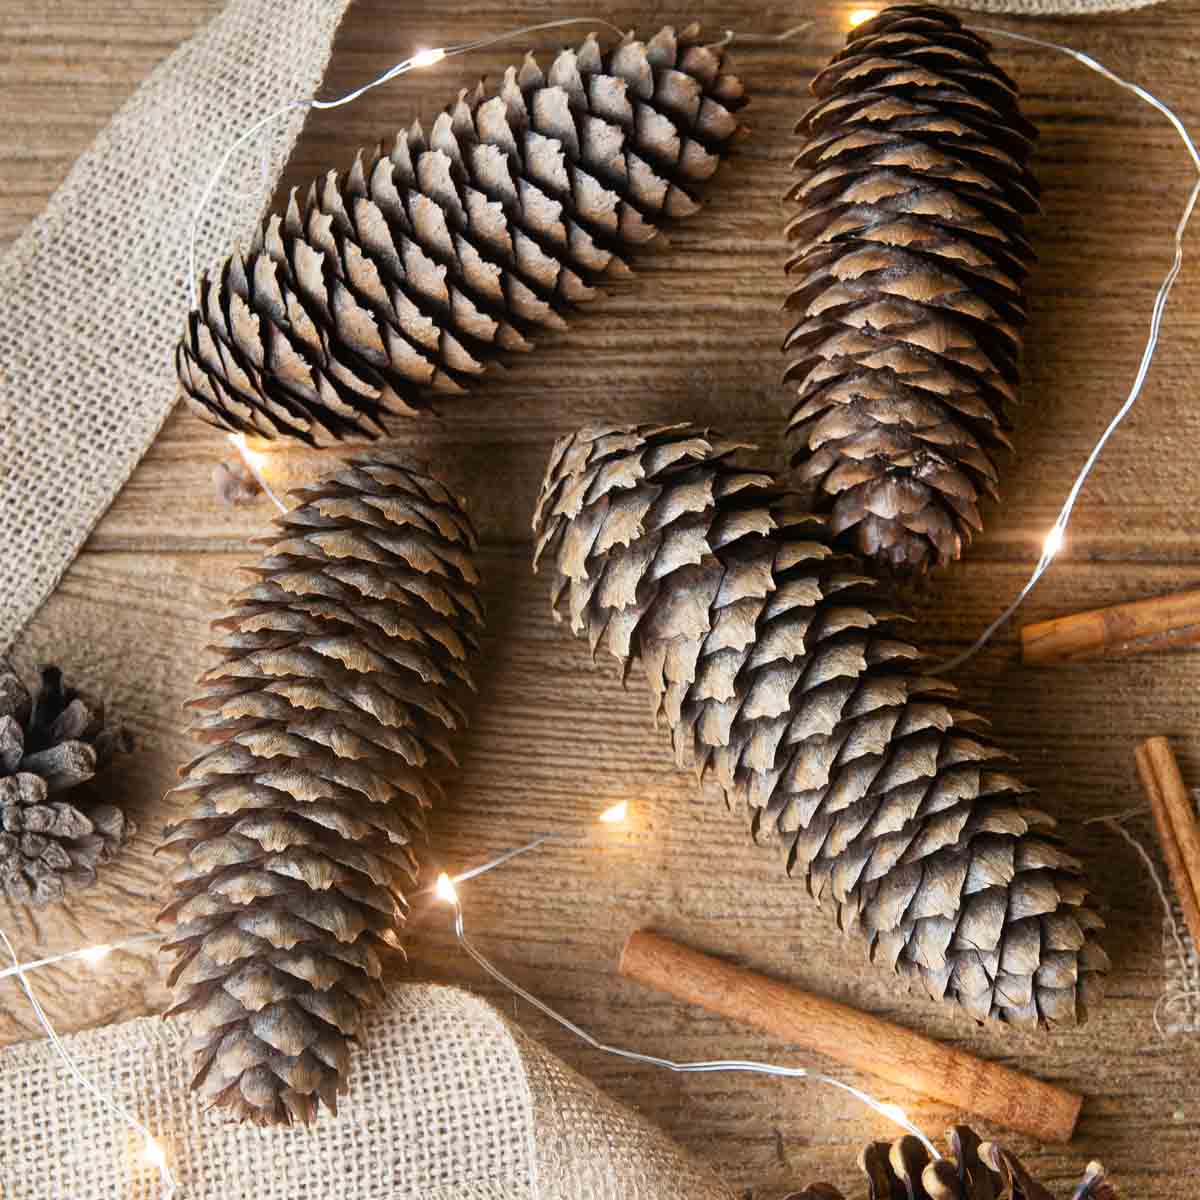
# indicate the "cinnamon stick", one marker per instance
pixel 1175 824
pixel 1123 629
pixel 857 1039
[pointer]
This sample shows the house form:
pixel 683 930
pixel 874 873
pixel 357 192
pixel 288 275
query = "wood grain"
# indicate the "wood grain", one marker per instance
pixel 695 335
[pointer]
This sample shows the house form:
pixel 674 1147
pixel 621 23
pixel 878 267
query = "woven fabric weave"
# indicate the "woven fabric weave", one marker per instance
pixel 93 293
pixel 1179 1006
pixel 449 1102
pixel 1053 8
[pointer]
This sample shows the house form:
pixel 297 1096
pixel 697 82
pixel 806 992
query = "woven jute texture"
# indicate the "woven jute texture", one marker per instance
pixel 1053 8
pixel 93 294
pixel 1179 1007
pixel 449 1102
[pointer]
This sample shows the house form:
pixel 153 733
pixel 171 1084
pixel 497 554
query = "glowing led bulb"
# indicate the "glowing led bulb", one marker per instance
pixel 1053 543
pixel 155 1155
pixel 860 16
pixel 616 814
pixel 444 889
pixel 254 459
pixel 426 58
pixel 95 954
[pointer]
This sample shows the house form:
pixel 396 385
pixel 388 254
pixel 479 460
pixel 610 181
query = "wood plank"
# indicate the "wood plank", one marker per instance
pixel 694 335
pixel 554 739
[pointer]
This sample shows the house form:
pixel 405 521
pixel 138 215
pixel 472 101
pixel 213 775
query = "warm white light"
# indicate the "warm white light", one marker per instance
pixel 444 889
pixel 95 954
pixel 155 1155
pixel 426 58
pixel 894 1112
pixel 254 458
pixel 860 16
pixel 616 814
pixel 1053 543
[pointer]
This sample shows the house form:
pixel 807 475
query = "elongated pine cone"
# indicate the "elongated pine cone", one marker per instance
pixel 975 1170
pixel 402 280
pixel 53 837
pixel 909 273
pixel 786 672
pixel 334 693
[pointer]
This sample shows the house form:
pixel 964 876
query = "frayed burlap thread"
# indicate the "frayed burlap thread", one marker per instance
pixel 92 294
pixel 1180 1003
pixel 1054 8
pixel 451 1103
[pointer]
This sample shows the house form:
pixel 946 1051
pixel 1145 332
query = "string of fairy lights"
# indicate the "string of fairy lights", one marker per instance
pixel 1055 537
pixel 447 888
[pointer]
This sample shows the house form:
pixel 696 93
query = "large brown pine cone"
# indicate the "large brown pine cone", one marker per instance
pixel 52 838
pixel 787 673
pixel 334 695
pixel 404 278
pixel 909 274
pixel 975 1170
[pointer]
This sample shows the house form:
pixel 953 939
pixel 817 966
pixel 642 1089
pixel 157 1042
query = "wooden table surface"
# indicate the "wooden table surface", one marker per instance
pixel 695 334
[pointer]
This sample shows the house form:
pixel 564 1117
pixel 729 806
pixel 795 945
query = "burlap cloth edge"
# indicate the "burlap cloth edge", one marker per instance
pixel 448 1099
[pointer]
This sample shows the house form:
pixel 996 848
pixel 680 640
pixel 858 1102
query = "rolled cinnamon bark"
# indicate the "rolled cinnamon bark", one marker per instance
pixel 857 1039
pixel 1175 823
pixel 1124 629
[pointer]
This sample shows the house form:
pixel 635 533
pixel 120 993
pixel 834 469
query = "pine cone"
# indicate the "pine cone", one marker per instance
pixel 51 845
pixel 910 271
pixel 975 1171
pixel 405 278
pixel 334 694
pixel 785 670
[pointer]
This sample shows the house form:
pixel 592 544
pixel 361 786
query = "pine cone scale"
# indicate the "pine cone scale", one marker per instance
pixel 974 1170
pixel 403 279
pixel 331 699
pixel 53 838
pixel 909 275
pixel 783 671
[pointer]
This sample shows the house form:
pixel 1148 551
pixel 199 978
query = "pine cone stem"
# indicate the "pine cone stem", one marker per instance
pixel 909 272
pixel 785 671
pixel 334 694
pixel 403 279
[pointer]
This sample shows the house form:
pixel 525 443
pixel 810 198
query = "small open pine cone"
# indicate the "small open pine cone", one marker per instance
pixel 53 838
pixel 975 1170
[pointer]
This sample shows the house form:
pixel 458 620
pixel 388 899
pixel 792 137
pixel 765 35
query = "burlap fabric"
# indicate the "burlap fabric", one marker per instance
pixel 1053 8
pixel 1179 1007
pixel 449 1102
pixel 93 293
